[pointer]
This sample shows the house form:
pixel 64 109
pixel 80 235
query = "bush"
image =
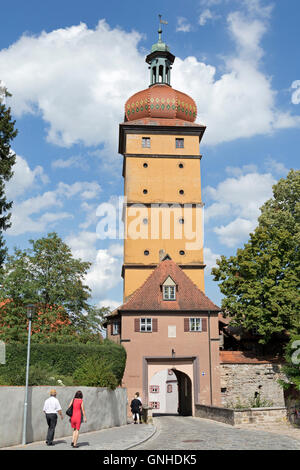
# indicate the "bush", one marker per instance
pixel 59 361
pixel 95 373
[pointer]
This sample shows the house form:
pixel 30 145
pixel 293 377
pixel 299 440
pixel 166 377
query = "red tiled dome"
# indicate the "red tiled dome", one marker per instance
pixel 160 101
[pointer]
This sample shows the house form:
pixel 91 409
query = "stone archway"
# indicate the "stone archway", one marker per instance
pixel 185 369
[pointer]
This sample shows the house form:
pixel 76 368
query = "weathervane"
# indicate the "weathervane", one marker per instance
pixel 159 27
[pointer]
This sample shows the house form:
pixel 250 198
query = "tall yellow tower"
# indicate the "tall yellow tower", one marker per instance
pixel 159 141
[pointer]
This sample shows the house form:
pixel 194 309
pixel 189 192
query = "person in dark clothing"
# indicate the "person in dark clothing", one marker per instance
pixel 135 406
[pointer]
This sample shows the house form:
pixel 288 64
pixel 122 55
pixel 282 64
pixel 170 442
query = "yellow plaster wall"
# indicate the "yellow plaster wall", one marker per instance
pixel 162 144
pixel 163 179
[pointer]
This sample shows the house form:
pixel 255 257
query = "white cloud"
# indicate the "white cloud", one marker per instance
pixel 205 15
pixel 27 214
pixel 77 78
pixel 241 103
pixel 75 161
pixel 235 232
pixel 209 259
pixel 105 272
pixel 296 94
pixel 83 77
pixel 24 215
pixel 183 25
pixel 112 304
pixel 239 198
pixel 276 167
pixel 83 245
pixel 24 178
pixel 87 190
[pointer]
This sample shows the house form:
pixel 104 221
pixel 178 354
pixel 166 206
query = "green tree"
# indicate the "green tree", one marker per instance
pixel 291 368
pixel 95 372
pixel 7 160
pixel 261 282
pixel 49 276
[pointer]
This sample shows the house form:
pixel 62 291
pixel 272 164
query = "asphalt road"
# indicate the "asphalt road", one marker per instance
pixel 187 433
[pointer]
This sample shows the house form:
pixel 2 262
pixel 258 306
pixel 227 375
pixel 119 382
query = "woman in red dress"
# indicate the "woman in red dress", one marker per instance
pixel 78 412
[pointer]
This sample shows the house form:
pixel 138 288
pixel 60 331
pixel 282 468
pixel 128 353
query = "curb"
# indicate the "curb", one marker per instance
pixel 143 440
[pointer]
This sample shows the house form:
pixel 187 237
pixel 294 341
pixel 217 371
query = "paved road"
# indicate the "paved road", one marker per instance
pixel 118 438
pixel 187 433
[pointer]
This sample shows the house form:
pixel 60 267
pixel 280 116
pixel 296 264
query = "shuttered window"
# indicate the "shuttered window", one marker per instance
pixel 146 325
pixel 195 324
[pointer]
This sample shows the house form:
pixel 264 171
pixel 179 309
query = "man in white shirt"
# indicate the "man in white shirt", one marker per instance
pixel 51 408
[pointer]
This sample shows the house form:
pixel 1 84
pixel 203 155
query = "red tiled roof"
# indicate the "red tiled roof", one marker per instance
pixel 149 295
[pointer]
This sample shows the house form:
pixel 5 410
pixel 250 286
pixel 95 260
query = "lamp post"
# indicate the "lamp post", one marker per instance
pixel 30 311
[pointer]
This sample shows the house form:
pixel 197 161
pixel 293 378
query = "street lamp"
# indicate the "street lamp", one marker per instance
pixel 30 311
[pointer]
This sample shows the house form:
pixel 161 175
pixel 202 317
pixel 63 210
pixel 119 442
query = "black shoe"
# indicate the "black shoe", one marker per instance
pixel 72 444
pixel 50 444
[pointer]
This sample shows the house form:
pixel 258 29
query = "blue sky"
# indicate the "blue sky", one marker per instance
pixel 72 65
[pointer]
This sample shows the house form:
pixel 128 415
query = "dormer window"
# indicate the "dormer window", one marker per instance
pixel 169 289
pixel 169 292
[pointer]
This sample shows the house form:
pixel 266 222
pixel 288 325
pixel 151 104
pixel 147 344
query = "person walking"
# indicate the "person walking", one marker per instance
pixel 51 409
pixel 77 416
pixel 135 406
pixel 141 406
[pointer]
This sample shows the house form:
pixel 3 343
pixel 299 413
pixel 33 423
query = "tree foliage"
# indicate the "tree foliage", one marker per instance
pixel 7 160
pixel 48 276
pixel 261 282
pixel 292 366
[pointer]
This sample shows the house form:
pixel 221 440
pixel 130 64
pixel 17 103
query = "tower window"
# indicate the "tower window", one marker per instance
pixel 179 143
pixel 145 221
pixel 181 221
pixel 181 191
pixel 169 388
pixel 145 191
pixel 146 142
pixel 146 252
pixel 145 165
pixel 169 293
pixel 181 165
pixel 182 252
pixel 154 388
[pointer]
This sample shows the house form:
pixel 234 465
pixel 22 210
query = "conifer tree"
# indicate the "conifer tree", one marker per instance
pixel 7 160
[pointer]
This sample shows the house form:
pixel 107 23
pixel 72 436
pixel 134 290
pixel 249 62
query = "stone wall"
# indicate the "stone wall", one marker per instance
pixel 242 377
pixel 104 408
pixel 241 417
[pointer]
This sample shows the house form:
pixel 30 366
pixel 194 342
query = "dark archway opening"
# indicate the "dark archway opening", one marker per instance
pixel 184 393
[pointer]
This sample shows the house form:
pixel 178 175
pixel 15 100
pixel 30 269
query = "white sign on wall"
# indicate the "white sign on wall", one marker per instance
pixel 171 331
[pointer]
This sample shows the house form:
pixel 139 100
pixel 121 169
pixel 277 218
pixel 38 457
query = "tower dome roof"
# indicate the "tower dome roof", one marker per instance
pixel 160 101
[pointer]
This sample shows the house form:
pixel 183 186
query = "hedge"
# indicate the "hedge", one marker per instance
pixel 63 358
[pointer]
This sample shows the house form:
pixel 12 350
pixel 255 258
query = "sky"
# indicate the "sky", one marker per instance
pixel 71 66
